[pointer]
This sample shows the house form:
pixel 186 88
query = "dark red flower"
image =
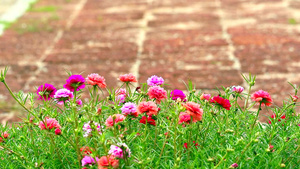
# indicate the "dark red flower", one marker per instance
pixel 149 120
pixel 221 101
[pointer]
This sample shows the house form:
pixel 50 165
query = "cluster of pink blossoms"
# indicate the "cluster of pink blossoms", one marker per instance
pixel 49 124
pixel 88 129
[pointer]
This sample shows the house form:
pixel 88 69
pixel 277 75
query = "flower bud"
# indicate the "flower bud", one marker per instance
pixel 210 159
pixel 99 111
pixel 177 159
pixel 255 141
pixel 229 131
pixel 295 98
pixel 282 165
pixel 57 131
pixel 230 150
pixel 5 134
pixel 252 83
pixel 234 165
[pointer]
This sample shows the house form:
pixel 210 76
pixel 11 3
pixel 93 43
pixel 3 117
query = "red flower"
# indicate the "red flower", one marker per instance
pixel 194 110
pixel 185 145
pixel 221 101
pixel 262 97
pixel 273 116
pixel 149 120
pixel 86 150
pixel 5 134
pixel 157 93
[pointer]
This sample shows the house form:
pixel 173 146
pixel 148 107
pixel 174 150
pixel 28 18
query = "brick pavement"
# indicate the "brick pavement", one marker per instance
pixel 210 42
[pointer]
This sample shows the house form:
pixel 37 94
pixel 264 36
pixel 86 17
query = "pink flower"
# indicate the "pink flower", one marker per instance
pixel 57 131
pixel 205 97
pixel 155 81
pixel 147 107
pixel 46 92
pixel 128 78
pixel 262 97
pixel 75 81
pixel 194 110
pixel 116 151
pixel 184 118
pixel 88 129
pixel 50 124
pixel 87 160
pixel 95 79
pixel 79 102
pixel 63 95
pixel 121 92
pixel 157 93
pixel 106 162
pixel 111 120
pixel 237 89
pixel 221 102
pixel 120 98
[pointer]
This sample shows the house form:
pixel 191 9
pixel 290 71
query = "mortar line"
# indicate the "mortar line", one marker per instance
pixel 40 62
pixel 140 42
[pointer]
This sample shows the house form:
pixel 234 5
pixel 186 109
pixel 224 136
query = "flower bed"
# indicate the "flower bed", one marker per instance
pixel 149 127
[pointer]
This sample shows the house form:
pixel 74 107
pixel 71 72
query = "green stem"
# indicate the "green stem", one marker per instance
pixel 255 119
pixel 246 103
pixel 220 162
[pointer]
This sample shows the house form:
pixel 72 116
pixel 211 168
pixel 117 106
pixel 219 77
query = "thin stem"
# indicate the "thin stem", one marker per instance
pixel 246 103
pixel 255 119
pixel 220 162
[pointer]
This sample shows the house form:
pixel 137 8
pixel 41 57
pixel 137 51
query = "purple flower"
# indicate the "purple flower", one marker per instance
pixel 75 81
pixel 120 98
pixel 46 92
pixel 155 80
pixel 63 95
pixel 237 89
pixel 87 160
pixel 175 94
pixel 128 108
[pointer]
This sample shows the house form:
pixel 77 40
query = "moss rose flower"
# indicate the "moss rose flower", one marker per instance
pixel 95 79
pixel 155 81
pixel 149 120
pixel 194 110
pixel 175 94
pixel 75 81
pixel 222 102
pixel 262 97
pixel 184 118
pixel 63 95
pixel 108 161
pixel 128 78
pixel 111 120
pixel 157 93
pixel 147 107
pixel 50 124
pixel 46 92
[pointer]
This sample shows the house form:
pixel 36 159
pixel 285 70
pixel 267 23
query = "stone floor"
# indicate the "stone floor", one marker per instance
pixel 211 42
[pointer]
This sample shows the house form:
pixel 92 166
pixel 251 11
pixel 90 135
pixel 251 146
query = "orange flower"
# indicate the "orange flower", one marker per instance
pixel 95 79
pixel 147 107
pixel 128 78
pixel 106 161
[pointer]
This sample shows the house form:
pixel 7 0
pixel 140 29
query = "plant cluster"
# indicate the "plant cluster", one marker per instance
pixel 149 127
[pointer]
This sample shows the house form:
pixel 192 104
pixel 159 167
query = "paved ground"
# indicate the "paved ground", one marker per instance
pixel 210 42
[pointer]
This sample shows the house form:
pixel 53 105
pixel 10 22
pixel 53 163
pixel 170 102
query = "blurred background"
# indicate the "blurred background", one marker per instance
pixel 211 42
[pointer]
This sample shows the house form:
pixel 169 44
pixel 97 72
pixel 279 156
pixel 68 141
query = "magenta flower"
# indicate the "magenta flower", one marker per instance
pixel 128 108
pixel 234 165
pixel 87 160
pixel 120 98
pixel 79 102
pixel 75 81
pixel 46 92
pixel 175 94
pixel 63 95
pixel 155 80
pixel 237 89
